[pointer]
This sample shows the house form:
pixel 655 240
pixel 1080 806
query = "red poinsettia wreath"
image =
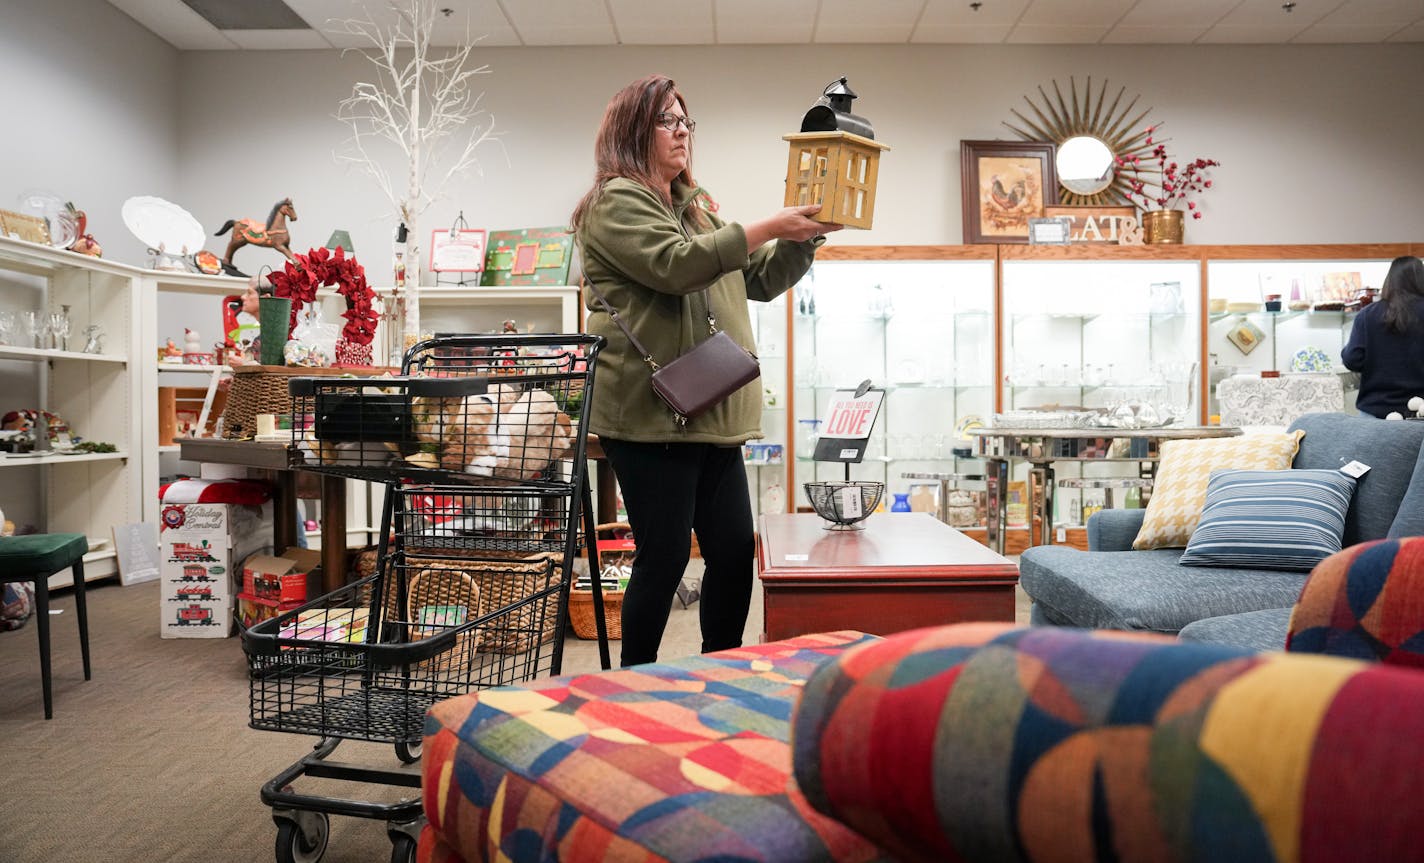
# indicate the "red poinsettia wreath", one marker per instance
pixel 319 268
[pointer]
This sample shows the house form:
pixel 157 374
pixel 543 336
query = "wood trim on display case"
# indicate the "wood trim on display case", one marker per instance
pixel 979 252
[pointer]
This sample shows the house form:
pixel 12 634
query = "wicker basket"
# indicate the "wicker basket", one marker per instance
pixel 263 390
pixel 585 622
pixel 501 584
pixel 581 611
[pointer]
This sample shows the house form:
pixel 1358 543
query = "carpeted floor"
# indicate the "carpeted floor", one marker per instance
pixel 152 759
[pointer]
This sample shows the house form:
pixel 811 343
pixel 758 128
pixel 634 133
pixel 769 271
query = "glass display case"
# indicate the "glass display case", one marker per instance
pixel 917 322
pixel 1116 333
pixel 766 458
pixel 1291 316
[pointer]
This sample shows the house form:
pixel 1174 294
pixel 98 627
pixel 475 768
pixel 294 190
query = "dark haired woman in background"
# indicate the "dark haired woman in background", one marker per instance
pixel 1386 345
pixel 653 245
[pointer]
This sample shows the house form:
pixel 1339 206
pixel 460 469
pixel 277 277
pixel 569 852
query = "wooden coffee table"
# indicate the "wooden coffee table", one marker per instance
pixel 904 570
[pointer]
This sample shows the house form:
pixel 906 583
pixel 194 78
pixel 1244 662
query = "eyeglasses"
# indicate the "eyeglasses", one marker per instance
pixel 669 122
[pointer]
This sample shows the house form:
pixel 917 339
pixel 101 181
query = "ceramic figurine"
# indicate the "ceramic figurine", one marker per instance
pixel 93 339
pixel 85 244
pixel 192 344
pixel 273 234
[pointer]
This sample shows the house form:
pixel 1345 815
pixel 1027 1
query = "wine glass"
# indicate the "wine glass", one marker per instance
pixel 58 329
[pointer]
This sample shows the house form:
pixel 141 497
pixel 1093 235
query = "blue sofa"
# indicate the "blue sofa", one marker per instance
pixel 1110 586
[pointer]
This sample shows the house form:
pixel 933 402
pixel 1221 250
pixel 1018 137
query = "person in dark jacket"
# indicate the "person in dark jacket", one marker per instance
pixel 1386 345
pixel 652 244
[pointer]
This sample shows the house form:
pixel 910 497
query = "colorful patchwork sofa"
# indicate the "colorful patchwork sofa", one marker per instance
pixel 973 742
pixel 1112 586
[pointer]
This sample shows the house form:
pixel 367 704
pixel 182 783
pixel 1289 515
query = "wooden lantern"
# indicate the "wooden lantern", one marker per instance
pixel 836 170
pixel 834 160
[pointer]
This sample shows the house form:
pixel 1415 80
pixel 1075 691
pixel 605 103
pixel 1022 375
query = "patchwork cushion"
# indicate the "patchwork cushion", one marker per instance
pixel 1179 490
pixel 1391 449
pixel 1273 519
pixel 981 743
pixel 683 760
pixel 1144 590
pixel 1366 602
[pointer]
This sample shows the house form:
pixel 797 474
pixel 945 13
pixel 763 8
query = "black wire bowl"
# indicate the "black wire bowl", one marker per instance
pixel 829 501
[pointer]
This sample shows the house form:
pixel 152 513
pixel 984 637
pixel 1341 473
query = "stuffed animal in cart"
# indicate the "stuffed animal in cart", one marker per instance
pixel 505 433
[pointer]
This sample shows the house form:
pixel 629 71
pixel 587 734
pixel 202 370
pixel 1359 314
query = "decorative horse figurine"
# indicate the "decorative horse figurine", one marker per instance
pixel 274 234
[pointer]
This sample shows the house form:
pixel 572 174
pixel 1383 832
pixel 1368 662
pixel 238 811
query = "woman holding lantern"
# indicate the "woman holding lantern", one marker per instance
pixel 655 250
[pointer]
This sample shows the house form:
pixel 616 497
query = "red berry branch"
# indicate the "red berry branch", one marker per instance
pixel 1175 184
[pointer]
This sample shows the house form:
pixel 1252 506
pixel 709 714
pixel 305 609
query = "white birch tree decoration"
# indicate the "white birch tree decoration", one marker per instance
pixel 422 103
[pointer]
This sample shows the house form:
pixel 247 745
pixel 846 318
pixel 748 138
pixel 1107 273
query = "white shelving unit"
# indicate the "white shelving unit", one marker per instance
pixel 170 300
pixel 94 393
pixel 549 309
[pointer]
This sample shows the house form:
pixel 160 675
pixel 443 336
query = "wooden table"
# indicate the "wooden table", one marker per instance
pixel 272 456
pixel 904 570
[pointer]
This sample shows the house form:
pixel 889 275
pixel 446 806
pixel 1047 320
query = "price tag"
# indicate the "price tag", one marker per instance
pixel 850 502
pixel 797 558
pixel 1355 469
pixel 849 454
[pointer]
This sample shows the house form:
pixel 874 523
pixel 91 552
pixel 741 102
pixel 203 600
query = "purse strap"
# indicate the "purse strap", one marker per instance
pixel 638 345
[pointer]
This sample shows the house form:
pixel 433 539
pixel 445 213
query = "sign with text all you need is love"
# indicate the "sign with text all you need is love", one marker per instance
pixel 850 415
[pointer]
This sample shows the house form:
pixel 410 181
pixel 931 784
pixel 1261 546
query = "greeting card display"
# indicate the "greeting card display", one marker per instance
pixel 530 256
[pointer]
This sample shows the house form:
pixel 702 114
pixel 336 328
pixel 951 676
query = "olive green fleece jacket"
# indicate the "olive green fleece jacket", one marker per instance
pixel 653 272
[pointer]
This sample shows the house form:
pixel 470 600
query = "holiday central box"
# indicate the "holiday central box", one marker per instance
pixel 201 540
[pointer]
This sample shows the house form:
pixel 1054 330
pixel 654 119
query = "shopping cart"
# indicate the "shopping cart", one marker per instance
pixel 480 443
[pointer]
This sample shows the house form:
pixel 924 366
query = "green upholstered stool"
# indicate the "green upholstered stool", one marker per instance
pixel 35 558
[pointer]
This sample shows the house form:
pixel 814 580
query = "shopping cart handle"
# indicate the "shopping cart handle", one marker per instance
pixel 448 388
pixel 451 387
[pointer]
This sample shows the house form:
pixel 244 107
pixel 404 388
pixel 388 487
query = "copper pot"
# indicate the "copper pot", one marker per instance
pixel 1163 226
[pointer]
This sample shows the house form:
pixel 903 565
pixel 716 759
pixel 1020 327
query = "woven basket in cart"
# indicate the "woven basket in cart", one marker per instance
pixel 501 584
pixel 263 390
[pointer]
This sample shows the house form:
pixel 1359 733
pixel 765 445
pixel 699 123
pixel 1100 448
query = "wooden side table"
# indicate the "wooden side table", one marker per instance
pixel 903 571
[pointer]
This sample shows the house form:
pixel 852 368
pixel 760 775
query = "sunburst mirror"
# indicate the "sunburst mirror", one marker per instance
pixel 1090 136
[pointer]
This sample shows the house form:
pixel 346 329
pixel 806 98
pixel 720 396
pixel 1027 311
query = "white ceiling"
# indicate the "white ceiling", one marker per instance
pixel 742 22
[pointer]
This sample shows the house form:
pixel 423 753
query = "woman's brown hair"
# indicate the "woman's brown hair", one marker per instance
pixel 624 145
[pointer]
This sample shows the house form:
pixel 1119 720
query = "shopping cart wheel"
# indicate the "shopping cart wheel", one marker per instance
pixel 408 751
pixel 295 845
pixel 402 848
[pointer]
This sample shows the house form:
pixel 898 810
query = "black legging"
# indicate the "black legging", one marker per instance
pixel 671 490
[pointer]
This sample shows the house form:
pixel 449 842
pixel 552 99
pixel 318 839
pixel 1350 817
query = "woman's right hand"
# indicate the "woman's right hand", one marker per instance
pixel 791 223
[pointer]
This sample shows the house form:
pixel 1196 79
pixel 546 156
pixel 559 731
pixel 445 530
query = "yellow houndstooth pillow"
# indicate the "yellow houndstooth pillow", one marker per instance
pixel 1179 491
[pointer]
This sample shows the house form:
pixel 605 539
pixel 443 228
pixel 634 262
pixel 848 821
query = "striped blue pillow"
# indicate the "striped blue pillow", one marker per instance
pixel 1271 519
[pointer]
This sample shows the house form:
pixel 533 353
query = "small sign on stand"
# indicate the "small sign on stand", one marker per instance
pixel 850 416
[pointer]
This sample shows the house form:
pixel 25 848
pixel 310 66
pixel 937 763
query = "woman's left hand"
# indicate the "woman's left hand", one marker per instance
pixel 790 223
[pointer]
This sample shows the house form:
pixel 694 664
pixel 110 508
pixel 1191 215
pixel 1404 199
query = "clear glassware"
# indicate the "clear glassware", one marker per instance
pixel 36 326
pixel 93 339
pixel 58 328
pixel 7 327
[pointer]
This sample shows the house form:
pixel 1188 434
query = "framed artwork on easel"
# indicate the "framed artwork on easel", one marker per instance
pixel 457 250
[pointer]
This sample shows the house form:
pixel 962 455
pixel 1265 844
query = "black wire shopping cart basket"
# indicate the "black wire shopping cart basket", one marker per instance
pixel 480 443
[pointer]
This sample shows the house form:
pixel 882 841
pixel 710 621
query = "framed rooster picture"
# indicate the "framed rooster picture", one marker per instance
pixel 1004 184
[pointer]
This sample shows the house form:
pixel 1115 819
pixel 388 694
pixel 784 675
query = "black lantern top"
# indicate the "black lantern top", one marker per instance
pixel 832 113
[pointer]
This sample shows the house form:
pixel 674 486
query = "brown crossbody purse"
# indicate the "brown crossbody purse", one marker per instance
pixel 699 379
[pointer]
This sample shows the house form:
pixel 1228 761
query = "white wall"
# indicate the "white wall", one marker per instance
pixel 1318 143
pixel 91 114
